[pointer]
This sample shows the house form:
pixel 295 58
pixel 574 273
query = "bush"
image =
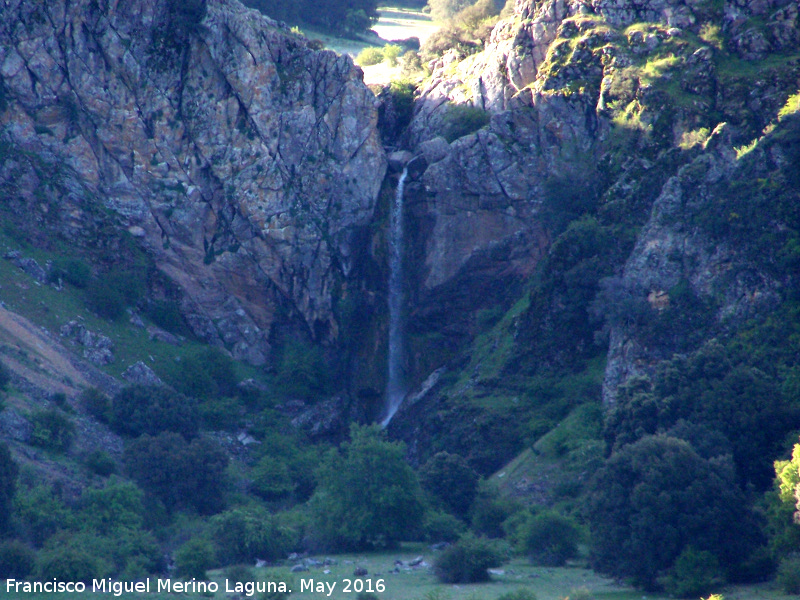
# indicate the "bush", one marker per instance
pixel 442 527
pixel 167 315
pixel 178 473
pixel 139 409
pixel 441 10
pixel 789 575
pixel 522 593
pixel 550 539
pixel 100 463
pixel 243 534
pixel 390 53
pixel 302 371
pixel 52 430
pixel 104 300
pixel 16 560
pixel 41 514
pixel 72 270
pixel 468 561
pixel 96 404
pixel 490 509
pixel 66 559
pixel 271 478
pixel 369 56
pixel 694 573
pixel 194 558
pixel 463 119
pixel 451 481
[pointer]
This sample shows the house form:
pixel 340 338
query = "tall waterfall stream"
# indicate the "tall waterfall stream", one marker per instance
pixel 395 385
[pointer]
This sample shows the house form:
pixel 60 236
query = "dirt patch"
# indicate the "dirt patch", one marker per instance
pixel 35 356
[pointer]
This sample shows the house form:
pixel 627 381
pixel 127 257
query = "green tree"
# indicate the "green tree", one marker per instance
pixel 178 473
pixel 139 409
pixel 245 533
pixel 468 560
pixel 788 480
pixel 656 497
pixel 194 558
pixel 451 481
pixel 52 430
pixel 8 483
pixel 550 539
pixel 441 10
pixel 367 495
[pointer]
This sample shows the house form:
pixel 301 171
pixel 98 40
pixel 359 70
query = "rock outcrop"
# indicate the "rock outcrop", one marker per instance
pixel 246 163
pixel 554 81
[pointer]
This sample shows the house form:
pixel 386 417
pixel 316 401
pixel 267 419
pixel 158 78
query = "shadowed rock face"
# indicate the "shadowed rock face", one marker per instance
pixel 246 163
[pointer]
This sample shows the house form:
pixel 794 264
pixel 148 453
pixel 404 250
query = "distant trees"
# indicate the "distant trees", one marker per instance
pixel 367 495
pixel 139 409
pixel 341 17
pixel 178 473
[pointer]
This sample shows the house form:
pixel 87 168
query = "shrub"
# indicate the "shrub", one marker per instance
pixel 463 119
pixel 271 478
pixel 490 509
pixel 139 409
pixel 442 527
pixel 104 300
pixel 390 53
pixel 167 315
pixel 66 559
pixel 194 558
pixel 411 63
pixel 96 404
pixel 41 514
pixel 72 270
pixel 244 534
pixel 302 371
pixel 550 539
pixel 100 463
pixel 16 560
pixel 521 593
pixel 52 430
pixel 694 573
pixel 441 10
pixel 468 561
pixel 450 479
pixel 178 473
pixel 209 375
pixel 369 56
pixel 789 575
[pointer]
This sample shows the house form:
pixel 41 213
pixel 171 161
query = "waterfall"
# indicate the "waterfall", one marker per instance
pixel 395 387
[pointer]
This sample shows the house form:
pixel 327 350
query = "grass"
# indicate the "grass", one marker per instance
pixel 50 308
pixel 420 584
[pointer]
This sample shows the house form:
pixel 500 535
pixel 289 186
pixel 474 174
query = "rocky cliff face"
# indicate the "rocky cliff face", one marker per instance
pixel 560 82
pixel 596 166
pixel 246 163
